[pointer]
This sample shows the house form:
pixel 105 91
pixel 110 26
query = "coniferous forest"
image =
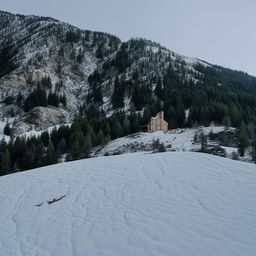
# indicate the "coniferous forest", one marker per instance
pixel 72 142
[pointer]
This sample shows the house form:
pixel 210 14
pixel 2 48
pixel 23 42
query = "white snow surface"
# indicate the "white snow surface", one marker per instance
pixel 175 203
pixel 33 133
pixel 173 140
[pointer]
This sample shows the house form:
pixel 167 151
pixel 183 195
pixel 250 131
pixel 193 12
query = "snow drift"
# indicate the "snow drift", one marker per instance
pixel 135 204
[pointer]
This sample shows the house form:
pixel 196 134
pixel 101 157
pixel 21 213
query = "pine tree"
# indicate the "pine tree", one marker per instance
pixel 180 114
pixel 91 137
pixel 62 146
pixel 45 137
pixel 254 150
pixel 235 116
pixel 134 123
pixel 205 116
pixel 88 139
pixel 5 162
pixel 53 99
pixel 80 56
pixel 126 126
pixel 97 94
pixel 3 146
pixel 159 89
pixel 99 52
pixel 243 139
pixel 7 129
pixel 100 137
pixel 226 121
pixel 118 94
pixel 28 157
pixel 146 116
pixel 19 99
pixel 18 148
pixel 117 129
pixel 75 150
pixel 84 150
pixel 50 155
pixel 40 154
pixel 138 97
pixel 170 115
pixel 36 98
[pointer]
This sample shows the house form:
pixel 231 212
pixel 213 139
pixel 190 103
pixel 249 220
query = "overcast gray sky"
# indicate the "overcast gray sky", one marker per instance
pixel 218 31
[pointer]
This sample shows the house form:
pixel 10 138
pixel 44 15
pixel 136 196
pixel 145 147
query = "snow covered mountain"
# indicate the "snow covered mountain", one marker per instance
pixel 37 50
pixel 80 67
pixel 141 204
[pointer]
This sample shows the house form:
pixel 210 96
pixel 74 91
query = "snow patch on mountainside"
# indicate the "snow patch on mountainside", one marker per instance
pixel 138 204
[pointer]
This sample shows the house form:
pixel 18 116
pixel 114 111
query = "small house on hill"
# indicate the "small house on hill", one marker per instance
pixel 157 123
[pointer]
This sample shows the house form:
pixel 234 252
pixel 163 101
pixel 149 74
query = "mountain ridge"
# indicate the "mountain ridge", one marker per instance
pixel 48 48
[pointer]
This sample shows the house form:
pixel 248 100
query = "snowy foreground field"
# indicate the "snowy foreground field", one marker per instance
pixel 176 203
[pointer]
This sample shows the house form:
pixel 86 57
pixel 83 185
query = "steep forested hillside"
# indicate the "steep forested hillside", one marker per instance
pixel 52 73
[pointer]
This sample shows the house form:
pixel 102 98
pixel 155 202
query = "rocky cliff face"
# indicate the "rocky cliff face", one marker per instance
pixel 40 118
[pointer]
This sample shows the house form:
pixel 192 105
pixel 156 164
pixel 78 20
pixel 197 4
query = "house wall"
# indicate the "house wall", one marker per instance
pixel 154 127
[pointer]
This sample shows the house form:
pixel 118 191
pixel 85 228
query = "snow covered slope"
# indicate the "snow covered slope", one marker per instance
pixel 137 204
pixel 173 140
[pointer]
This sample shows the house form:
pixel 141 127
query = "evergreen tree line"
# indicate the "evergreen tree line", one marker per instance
pixel 74 142
pixel 39 97
pixel 70 143
pixel 206 101
pixel 227 78
pixel 7 53
pixel 221 96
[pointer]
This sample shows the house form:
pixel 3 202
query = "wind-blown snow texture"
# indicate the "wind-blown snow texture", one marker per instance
pixel 139 204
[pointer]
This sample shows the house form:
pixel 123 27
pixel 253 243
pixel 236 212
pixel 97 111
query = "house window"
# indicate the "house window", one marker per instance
pixel 158 124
